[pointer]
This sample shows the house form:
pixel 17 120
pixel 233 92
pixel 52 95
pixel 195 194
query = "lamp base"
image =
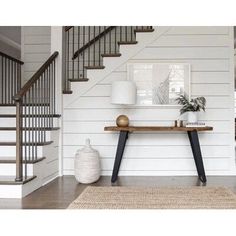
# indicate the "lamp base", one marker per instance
pixel 122 121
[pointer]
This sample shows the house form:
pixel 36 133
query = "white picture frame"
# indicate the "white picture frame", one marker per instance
pixel 159 83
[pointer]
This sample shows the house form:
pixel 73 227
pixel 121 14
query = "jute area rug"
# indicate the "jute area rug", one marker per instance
pixel 155 198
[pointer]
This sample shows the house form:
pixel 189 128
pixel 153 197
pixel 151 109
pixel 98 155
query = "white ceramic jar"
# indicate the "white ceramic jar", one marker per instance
pixel 192 117
pixel 87 164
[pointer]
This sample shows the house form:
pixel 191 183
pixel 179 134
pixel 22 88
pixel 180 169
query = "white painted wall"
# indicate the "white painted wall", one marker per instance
pixel 35 48
pixel 209 50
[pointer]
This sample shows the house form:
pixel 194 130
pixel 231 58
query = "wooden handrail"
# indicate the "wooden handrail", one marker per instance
pixel 35 77
pixel 45 77
pixel 68 28
pixel 11 58
pixel 76 54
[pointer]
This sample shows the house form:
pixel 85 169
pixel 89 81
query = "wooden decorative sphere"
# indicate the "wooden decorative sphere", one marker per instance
pixel 122 121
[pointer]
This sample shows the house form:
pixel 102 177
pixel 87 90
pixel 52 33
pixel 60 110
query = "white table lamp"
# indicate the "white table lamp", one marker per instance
pixel 123 93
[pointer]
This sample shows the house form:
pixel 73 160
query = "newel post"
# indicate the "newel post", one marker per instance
pixel 19 170
pixel 57 45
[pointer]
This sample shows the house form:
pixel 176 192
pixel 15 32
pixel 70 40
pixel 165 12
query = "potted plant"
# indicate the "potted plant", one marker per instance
pixel 192 107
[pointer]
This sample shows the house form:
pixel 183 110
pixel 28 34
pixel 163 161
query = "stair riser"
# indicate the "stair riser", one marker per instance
pixel 10 136
pixel 110 63
pixel 10 151
pixel 8 110
pixel 11 122
pixel 10 169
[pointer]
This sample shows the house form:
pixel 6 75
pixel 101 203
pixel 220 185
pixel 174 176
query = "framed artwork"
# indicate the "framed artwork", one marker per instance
pixel 159 83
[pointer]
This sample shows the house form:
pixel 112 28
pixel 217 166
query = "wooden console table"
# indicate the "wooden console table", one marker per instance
pixel 192 134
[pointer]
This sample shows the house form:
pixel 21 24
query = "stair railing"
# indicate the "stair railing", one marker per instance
pixel 35 109
pixel 85 46
pixel 10 78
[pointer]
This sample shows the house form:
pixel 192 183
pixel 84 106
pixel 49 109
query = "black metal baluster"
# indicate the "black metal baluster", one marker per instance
pixel 13 93
pixel 73 51
pixel 83 51
pixel 120 33
pixel 110 42
pixel 2 64
pixel 131 33
pixel 8 81
pixel 38 108
pixel 94 51
pixel 41 106
pixel 29 124
pixel 48 95
pixel 35 120
pixel 105 36
pixel 33 124
pixel 115 41
pixel 68 60
pixel 46 98
pixel 78 52
pixel 44 105
pixel 25 132
pixel 5 83
pixel 126 33
pixel 54 87
pixel 51 96
pixel 99 46
pixel 89 46
pixel 19 77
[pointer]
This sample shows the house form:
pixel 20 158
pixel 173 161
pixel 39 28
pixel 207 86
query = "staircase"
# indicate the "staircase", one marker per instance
pixel 28 120
pixel 28 114
pixel 86 48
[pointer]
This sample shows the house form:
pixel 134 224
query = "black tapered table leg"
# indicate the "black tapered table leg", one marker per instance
pixel 119 154
pixel 194 141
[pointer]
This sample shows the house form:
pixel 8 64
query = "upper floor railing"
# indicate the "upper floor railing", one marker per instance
pixel 10 78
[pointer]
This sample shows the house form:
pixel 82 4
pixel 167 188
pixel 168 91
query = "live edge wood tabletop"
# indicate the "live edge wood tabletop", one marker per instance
pixel 192 135
pixel 156 128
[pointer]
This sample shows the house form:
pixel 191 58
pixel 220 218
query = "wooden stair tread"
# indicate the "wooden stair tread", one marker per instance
pixel 94 67
pixel 14 115
pixel 67 92
pixel 12 160
pixel 7 105
pixel 79 80
pixel 27 144
pixel 111 55
pixel 127 42
pixel 143 30
pixel 27 104
pixel 31 128
pixel 10 180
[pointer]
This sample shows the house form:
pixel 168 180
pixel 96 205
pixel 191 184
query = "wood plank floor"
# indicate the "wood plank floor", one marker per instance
pixel 62 191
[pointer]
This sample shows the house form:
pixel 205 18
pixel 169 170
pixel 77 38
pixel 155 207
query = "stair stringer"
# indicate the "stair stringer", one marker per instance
pixel 112 63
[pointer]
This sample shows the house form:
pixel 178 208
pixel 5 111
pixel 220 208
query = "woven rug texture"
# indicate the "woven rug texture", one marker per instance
pixel 155 198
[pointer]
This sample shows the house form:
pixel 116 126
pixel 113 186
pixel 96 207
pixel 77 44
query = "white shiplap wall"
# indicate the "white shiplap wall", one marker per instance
pixel 209 50
pixel 35 48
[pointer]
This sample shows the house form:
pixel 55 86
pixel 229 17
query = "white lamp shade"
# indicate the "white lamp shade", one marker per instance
pixel 123 92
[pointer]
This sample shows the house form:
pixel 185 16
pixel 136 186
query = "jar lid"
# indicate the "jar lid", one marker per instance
pixel 87 148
